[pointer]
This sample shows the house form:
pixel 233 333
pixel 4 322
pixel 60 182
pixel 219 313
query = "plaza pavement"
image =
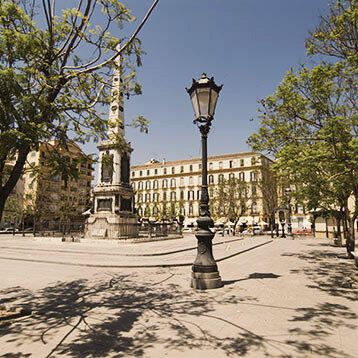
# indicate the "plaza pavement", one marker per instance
pixel 284 298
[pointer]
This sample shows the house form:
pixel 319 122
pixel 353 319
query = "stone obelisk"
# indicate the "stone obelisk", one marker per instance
pixel 113 215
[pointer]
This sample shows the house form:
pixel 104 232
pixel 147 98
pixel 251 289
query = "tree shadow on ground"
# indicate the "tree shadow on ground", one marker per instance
pixel 122 316
pixel 327 272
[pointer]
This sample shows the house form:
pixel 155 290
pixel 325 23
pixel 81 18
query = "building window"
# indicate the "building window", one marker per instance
pixel 253 161
pixel 221 178
pixel 210 166
pixel 148 172
pixel 191 182
pixel 164 183
pixel 164 196
pixel 155 171
pixel 173 170
pixel 242 176
pixel 242 163
pixel 147 197
pixel 181 195
pixel 140 198
pixel 140 173
pixel 191 168
pixel 211 179
pixel 253 176
pixel 199 166
pixel 220 165
pixel 133 186
pixel 140 211
pixel 155 184
pixel 140 185
pixel 147 184
pixel 191 195
pixel 211 193
pixel 133 174
pixel 182 210
pixel 173 183
pixel 198 195
pixel 230 164
pixel 33 154
pixel 182 169
pixel 231 176
pixel 155 196
pixel 181 182
pixel 172 196
pixel 165 170
pixel 190 209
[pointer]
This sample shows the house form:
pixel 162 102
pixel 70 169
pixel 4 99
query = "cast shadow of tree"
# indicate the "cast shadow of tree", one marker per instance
pixel 324 319
pixel 117 317
pixel 123 317
pixel 327 272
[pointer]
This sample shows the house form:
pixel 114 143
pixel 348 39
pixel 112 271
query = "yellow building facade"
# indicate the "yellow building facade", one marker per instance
pixel 159 184
pixel 51 196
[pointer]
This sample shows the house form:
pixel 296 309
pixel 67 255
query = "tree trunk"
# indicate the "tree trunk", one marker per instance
pixel 13 178
pixel 351 244
pixel 272 224
pixel 347 233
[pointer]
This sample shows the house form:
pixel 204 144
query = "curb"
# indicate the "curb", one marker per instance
pixel 161 253
pixel 132 266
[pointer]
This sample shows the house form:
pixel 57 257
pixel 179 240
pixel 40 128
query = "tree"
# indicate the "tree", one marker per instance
pixel 230 200
pixel 337 34
pixel 47 90
pixel 310 125
pixel 268 188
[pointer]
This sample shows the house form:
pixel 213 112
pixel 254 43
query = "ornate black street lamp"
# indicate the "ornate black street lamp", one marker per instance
pixel 205 275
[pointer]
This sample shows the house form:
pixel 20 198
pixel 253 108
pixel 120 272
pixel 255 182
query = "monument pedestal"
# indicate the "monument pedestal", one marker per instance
pixel 112 226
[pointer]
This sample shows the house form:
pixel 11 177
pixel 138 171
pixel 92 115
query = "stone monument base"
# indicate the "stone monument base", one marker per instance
pixel 205 280
pixel 111 226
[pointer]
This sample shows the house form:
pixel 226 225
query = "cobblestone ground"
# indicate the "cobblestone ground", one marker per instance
pixel 288 298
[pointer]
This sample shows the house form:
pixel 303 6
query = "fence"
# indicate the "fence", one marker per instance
pixel 159 229
pixel 59 228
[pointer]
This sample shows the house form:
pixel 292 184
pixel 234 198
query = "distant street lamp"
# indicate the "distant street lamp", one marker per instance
pixel 205 275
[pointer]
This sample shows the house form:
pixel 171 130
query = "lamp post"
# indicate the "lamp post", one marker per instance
pixel 205 275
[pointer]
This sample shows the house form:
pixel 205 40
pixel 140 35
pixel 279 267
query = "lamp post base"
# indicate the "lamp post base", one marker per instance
pixel 205 280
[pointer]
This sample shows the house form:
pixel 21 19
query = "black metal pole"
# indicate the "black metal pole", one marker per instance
pixel 205 273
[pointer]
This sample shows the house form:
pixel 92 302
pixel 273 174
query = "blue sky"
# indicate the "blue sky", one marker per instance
pixel 247 45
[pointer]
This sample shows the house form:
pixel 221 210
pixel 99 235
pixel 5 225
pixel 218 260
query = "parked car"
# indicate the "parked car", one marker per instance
pixel 9 230
pixel 257 230
pixel 302 231
pixel 226 231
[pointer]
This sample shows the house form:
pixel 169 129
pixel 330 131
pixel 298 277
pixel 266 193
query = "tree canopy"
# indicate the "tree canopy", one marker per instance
pixel 56 67
pixel 310 123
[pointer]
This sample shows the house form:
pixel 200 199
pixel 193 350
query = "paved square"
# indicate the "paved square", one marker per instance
pixel 287 298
